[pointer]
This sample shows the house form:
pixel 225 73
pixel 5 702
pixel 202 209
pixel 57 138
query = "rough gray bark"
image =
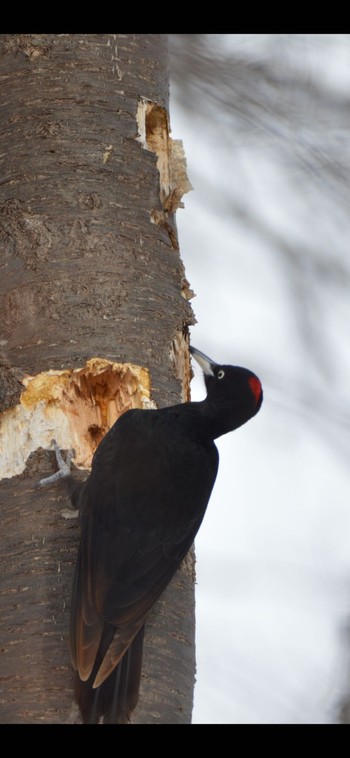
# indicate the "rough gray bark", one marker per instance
pixel 89 267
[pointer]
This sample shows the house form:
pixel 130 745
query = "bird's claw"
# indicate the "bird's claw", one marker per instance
pixel 63 466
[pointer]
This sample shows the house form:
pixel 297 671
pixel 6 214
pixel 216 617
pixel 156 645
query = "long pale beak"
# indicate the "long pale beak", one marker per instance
pixel 205 363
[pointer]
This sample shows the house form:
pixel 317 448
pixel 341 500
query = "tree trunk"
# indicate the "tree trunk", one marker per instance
pixel 94 320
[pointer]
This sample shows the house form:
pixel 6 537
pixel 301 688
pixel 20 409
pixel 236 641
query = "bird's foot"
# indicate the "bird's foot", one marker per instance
pixel 63 466
pixel 68 513
pixel 63 472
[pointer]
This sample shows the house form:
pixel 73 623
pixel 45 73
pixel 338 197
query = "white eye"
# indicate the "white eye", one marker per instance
pixel 221 374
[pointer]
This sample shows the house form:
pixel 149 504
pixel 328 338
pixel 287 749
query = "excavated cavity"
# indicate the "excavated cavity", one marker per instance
pixel 76 407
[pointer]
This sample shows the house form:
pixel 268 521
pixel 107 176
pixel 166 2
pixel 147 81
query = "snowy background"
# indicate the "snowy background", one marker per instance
pixel 265 121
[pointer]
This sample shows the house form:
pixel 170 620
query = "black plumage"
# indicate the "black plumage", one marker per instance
pixel 141 507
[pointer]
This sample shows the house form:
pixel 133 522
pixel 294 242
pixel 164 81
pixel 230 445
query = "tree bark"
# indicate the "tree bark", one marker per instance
pixel 90 268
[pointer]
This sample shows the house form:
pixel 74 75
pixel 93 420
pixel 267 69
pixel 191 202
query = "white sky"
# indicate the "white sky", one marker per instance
pixel 273 554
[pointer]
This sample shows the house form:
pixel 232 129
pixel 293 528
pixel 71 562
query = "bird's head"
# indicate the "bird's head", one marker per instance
pixel 234 394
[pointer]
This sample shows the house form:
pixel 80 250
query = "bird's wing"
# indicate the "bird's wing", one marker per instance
pixel 141 512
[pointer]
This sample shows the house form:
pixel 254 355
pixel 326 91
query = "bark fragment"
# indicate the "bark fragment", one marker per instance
pixel 154 135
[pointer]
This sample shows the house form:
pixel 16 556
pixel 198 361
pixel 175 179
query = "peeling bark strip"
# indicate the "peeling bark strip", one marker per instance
pixel 84 271
pixel 153 126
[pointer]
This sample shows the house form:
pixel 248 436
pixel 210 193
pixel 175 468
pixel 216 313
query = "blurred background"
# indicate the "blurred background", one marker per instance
pixel 265 121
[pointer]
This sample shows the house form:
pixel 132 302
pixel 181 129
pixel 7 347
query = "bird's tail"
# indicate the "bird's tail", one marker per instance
pixel 115 699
